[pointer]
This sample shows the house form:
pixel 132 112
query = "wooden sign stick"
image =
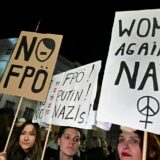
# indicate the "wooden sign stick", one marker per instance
pixel 14 120
pixel 145 138
pixel 46 140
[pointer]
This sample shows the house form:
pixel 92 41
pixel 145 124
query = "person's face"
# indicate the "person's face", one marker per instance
pixel 27 137
pixel 105 147
pixel 129 146
pixel 69 142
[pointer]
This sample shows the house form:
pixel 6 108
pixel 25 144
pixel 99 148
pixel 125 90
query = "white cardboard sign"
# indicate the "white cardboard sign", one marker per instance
pixel 130 94
pixel 71 98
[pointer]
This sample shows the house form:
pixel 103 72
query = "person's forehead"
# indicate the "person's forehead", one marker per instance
pixel 71 131
pixel 29 127
pixel 129 134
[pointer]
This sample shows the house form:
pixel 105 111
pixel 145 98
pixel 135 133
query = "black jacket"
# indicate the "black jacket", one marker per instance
pixel 52 154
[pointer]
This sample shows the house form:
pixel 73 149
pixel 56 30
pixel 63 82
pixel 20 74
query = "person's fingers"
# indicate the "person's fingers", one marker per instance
pixel 3 156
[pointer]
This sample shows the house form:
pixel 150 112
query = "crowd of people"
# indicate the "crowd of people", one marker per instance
pixel 70 143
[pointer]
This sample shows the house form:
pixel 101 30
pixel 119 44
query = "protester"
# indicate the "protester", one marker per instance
pixel 105 148
pixel 69 143
pixel 6 118
pixel 53 140
pixel 130 145
pixel 95 149
pixel 153 147
pixel 25 145
pixel 112 153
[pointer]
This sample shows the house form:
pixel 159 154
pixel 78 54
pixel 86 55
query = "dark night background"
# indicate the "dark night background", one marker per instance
pixel 85 26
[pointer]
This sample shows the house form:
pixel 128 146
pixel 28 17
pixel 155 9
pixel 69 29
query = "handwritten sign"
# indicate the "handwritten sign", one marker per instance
pixel 31 66
pixel 130 94
pixel 38 114
pixel 71 98
pixel 44 108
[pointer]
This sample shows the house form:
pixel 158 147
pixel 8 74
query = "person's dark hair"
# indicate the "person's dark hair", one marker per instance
pixel 60 133
pixel 63 128
pixel 141 135
pixel 153 147
pixel 14 149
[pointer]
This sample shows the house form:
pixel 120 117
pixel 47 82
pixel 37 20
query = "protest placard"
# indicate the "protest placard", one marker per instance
pixel 71 98
pixel 130 90
pixel 30 69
